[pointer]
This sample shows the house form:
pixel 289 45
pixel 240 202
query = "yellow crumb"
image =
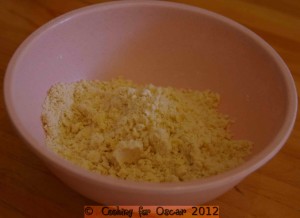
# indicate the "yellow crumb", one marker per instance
pixel 141 133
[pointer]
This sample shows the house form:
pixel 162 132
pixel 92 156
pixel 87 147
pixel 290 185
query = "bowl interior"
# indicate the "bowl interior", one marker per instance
pixel 166 46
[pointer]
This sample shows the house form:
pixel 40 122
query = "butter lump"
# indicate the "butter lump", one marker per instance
pixel 128 151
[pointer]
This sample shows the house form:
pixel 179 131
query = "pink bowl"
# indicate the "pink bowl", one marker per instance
pixel 165 44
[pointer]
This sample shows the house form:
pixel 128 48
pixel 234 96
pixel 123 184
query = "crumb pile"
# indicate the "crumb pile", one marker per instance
pixel 141 133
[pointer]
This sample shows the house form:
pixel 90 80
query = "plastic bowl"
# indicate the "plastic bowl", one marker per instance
pixel 163 43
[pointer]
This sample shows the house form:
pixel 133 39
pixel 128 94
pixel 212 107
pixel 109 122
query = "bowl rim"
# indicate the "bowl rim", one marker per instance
pixel 199 184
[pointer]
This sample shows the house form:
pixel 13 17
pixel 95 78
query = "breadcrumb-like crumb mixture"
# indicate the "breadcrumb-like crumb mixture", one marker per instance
pixel 141 132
